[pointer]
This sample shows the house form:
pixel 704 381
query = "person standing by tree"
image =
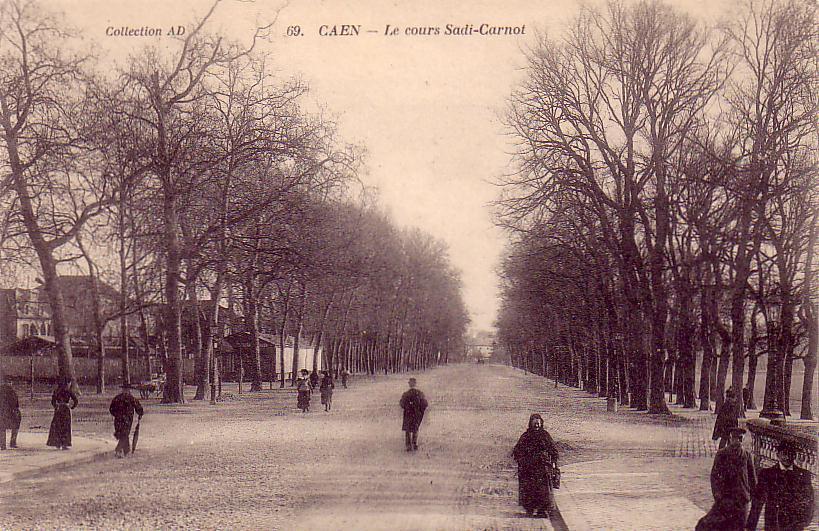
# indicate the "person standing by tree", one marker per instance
pixel 59 435
pixel 326 388
pixel 727 418
pixel 344 375
pixel 303 389
pixel 122 408
pixel 786 492
pixel 414 405
pixel 733 478
pixel 9 414
pixel 536 456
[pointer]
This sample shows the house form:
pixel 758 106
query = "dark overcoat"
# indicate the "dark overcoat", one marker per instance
pixel 727 418
pixel 9 408
pixel 787 496
pixel 59 433
pixel 733 478
pixel 326 388
pixel 414 405
pixel 535 453
pixel 123 407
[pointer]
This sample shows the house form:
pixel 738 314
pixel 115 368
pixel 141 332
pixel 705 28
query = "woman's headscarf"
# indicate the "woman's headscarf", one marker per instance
pixel 534 416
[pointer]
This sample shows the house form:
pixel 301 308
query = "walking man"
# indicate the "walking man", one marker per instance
pixel 727 418
pixel 123 407
pixel 733 478
pixel 9 414
pixel 785 491
pixel 344 374
pixel 414 404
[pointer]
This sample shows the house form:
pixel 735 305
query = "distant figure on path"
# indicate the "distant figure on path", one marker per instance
pixel 314 380
pixel 733 478
pixel 9 414
pixel 123 407
pixel 727 418
pixel 414 404
pixel 303 388
pixel 785 491
pixel 344 375
pixel 59 435
pixel 326 389
pixel 536 455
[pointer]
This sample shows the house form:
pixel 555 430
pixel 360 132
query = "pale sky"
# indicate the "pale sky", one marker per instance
pixel 427 108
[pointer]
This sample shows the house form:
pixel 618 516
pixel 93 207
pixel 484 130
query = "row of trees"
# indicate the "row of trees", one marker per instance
pixel 665 204
pixel 191 170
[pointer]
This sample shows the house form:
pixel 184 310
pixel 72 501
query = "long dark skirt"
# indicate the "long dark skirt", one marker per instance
pixel 725 515
pixel 303 400
pixel 534 491
pixel 60 433
pixel 326 396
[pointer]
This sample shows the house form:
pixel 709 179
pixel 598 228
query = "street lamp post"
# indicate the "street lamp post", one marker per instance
pixel 772 407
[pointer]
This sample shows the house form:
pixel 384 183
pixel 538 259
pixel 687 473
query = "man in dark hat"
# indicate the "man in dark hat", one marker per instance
pixel 123 407
pixel 785 491
pixel 414 404
pixel 9 414
pixel 733 478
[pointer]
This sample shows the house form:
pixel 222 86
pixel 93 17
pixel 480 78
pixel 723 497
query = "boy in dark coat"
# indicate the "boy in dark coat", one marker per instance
pixel 785 491
pixel 414 404
pixel 123 407
pixel 733 478
pixel 9 415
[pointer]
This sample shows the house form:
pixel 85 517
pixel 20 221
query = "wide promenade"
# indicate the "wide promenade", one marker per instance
pixel 255 462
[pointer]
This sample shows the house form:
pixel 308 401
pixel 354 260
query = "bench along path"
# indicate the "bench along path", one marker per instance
pixel 256 462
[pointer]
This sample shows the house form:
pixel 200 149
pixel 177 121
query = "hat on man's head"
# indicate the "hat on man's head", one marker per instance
pixel 736 431
pixel 413 381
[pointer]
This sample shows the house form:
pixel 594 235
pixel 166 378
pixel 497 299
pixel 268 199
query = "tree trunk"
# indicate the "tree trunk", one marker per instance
pixel 173 311
pixel 283 335
pixel 753 358
pixel 123 297
pixel 299 328
pixel 812 312
pixel 45 255
pixel 252 328
pixel 811 321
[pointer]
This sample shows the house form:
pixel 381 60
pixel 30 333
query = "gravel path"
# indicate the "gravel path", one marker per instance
pixel 258 463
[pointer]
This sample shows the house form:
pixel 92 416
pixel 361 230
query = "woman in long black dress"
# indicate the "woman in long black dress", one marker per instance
pixel 59 435
pixel 535 454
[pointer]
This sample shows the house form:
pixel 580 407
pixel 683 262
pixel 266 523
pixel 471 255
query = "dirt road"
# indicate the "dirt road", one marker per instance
pixel 257 462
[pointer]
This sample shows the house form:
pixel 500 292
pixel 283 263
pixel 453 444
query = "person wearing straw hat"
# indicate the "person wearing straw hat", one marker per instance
pixel 733 478
pixel 122 408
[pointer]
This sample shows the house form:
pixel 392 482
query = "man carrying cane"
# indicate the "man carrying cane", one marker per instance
pixel 122 408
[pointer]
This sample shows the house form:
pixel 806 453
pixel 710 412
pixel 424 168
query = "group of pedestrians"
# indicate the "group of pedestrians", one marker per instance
pixel 306 383
pixel 740 493
pixel 64 399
